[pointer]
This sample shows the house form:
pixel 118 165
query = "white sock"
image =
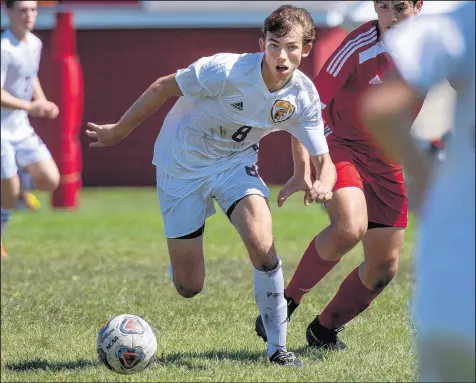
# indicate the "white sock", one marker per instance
pixel 269 296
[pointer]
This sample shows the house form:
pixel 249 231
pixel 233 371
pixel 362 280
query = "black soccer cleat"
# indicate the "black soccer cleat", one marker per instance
pixel 259 325
pixel 318 336
pixel 285 358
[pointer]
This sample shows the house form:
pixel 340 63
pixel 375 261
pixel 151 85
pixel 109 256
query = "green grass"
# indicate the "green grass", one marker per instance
pixel 68 272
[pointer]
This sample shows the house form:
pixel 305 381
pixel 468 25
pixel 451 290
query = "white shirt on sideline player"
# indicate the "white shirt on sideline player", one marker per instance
pixel 19 68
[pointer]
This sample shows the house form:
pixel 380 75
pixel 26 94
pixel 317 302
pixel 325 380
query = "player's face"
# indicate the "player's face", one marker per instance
pixel 23 15
pixel 283 54
pixel 392 12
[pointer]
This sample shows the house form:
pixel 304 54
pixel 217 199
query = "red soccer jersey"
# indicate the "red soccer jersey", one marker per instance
pixel 361 60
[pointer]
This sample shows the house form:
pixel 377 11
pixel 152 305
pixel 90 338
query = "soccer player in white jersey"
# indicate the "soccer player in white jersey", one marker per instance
pixel 426 52
pixel 22 95
pixel 207 150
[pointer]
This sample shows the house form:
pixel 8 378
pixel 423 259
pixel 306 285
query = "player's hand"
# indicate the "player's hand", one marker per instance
pixel 39 108
pixel 105 135
pixel 295 184
pixel 53 110
pixel 319 192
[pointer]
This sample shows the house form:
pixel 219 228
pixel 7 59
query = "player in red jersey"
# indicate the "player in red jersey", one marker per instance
pixel 369 202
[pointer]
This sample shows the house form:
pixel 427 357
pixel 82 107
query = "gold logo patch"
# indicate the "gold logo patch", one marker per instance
pixel 281 111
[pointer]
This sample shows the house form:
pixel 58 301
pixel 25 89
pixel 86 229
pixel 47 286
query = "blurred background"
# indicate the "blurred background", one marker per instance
pixel 123 46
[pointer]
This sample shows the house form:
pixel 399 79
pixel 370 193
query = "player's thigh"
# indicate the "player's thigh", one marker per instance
pixel 33 155
pixel 348 208
pixel 243 196
pixel 185 206
pixel 10 183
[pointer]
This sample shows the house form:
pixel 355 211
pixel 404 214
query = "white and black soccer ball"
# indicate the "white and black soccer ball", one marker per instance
pixel 126 344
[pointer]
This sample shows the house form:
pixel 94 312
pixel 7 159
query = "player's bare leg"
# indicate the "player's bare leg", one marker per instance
pixel 9 195
pixel 252 219
pixel 45 174
pixel 188 265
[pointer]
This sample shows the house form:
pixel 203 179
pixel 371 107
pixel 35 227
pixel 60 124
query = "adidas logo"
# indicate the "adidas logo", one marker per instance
pixel 376 80
pixel 238 105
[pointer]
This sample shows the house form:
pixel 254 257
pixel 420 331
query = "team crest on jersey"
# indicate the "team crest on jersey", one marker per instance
pixel 281 111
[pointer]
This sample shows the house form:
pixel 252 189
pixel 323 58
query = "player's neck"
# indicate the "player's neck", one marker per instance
pixel 19 34
pixel 269 81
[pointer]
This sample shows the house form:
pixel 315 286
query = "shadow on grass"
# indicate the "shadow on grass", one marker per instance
pixel 199 360
pixel 43 365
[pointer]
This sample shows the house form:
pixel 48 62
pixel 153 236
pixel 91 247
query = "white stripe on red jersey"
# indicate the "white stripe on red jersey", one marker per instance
pixel 343 55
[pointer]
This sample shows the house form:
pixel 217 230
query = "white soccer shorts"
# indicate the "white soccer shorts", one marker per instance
pixel 187 203
pixel 18 154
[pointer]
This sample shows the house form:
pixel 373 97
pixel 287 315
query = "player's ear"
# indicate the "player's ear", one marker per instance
pixel 261 44
pixel 306 49
pixel 417 7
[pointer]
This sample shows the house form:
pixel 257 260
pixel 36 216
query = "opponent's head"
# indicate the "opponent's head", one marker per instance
pixel 288 34
pixel 390 13
pixel 22 15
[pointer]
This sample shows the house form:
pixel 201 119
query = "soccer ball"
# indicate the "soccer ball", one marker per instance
pixel 126 344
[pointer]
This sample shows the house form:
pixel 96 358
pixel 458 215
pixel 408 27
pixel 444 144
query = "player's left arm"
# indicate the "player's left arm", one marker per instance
pixel 310 140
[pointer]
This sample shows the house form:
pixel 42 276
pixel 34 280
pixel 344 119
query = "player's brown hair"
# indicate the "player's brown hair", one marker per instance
pixel 283 19
pixel 10 4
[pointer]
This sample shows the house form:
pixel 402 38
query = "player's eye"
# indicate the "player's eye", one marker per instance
pixel 293 47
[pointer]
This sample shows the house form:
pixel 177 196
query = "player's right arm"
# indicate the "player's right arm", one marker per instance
pixel 204 78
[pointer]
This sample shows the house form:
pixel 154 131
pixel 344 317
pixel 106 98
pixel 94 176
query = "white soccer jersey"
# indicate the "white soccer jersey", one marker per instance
pixel 226 109
pixel 19 68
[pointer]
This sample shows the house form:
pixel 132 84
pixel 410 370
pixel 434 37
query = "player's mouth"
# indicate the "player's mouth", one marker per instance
pixel 281 68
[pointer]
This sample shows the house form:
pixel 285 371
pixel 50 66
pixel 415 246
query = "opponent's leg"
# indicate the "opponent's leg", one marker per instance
pixel 382 249
pixel 252 219
pixel 348 215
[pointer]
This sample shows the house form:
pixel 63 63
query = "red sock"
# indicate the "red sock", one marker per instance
pixel 311 269
pixel 351 299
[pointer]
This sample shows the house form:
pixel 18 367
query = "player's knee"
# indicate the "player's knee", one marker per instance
pixel 384 274
pixel 48 182
pixel 189 290
pixel 261 250
pixel 350 233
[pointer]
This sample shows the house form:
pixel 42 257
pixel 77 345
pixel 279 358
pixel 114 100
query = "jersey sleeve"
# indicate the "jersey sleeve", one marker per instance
pixel 5 61
pixel 206 77
pixel 310 130
pixel 426 52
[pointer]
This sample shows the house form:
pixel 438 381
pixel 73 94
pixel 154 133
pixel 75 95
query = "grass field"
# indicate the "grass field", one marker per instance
pixel 67 273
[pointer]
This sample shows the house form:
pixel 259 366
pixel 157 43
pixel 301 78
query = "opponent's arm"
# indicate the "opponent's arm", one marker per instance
pixel 151 100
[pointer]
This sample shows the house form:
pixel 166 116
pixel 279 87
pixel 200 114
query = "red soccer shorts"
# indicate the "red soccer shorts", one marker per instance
pixel 381 181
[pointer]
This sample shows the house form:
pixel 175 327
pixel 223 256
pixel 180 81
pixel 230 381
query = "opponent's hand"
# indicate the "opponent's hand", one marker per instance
pixel 105 135
pixel 39 108
pixel 319 192
pixel 295 184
